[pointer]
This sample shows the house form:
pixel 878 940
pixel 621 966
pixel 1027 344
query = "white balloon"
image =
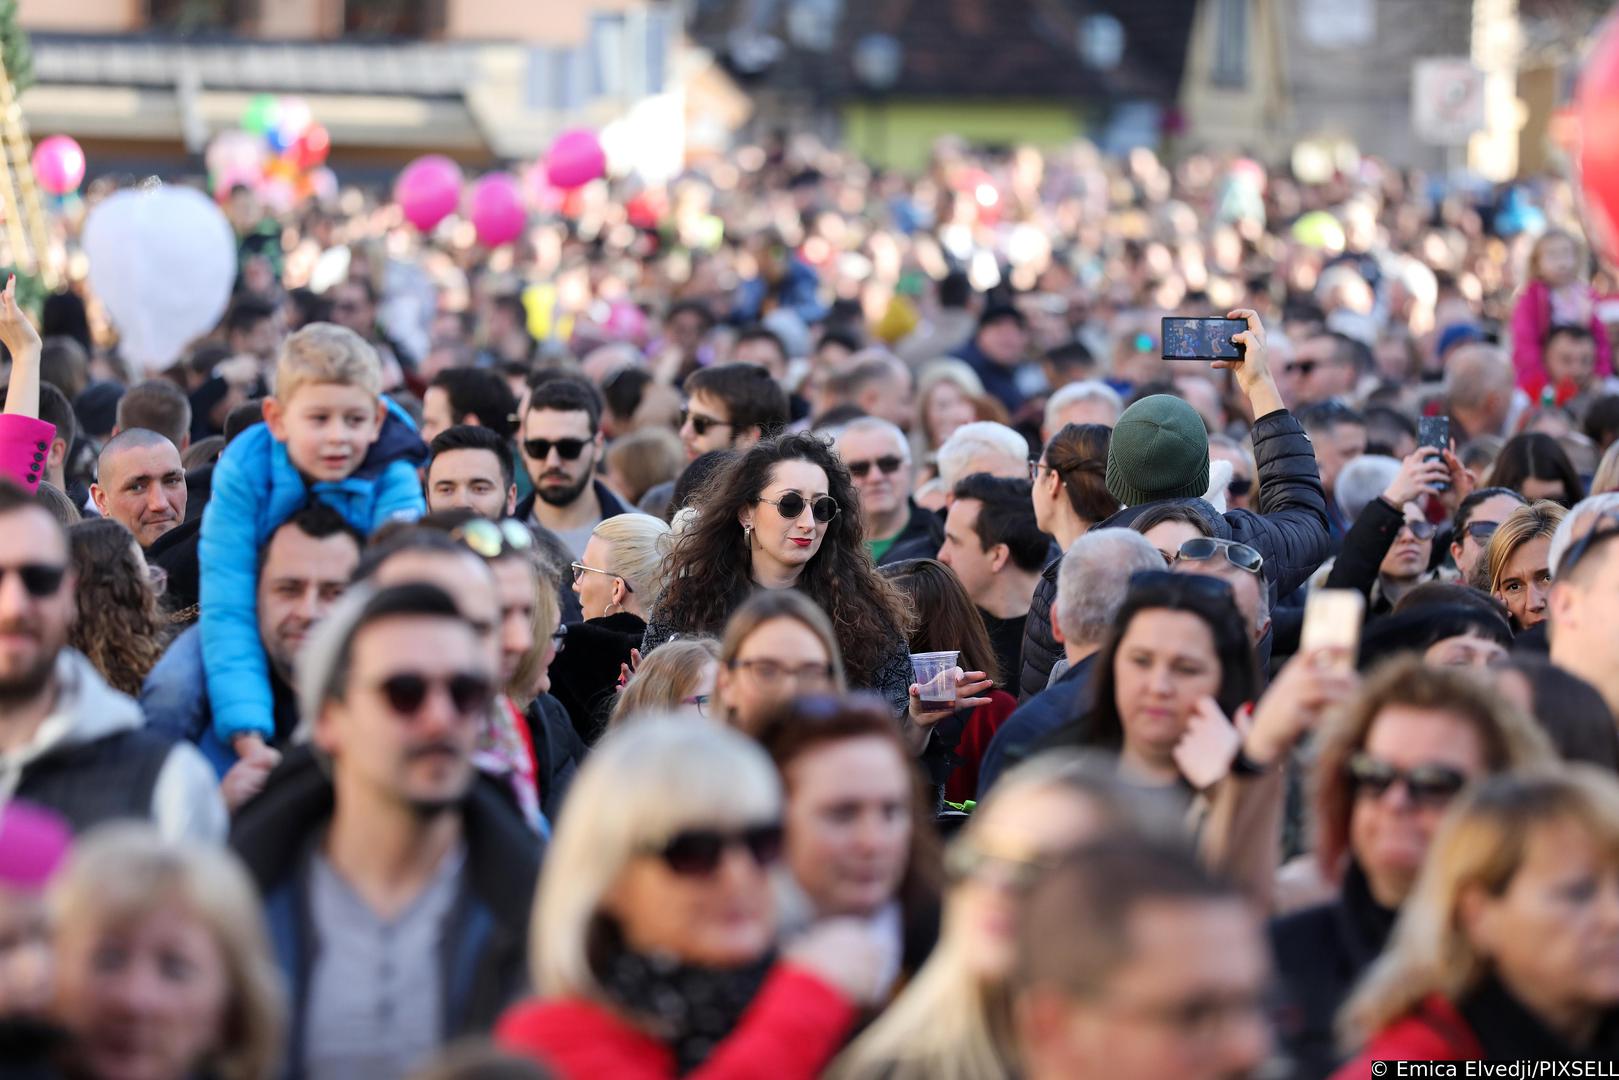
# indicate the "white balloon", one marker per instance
pixel 162 262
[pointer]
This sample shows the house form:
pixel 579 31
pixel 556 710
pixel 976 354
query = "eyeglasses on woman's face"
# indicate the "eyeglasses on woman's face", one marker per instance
pixel 773 673
pixel 791 507
pixel 697 853
pixel 580 570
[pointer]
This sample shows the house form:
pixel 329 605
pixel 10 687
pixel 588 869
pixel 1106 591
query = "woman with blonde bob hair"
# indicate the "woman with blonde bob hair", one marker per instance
pixel 1516 566
pixel 654 928
pixel 209 998
pixel 617 577
pixel 678 678
pixel 1509 947
pixel 953 1021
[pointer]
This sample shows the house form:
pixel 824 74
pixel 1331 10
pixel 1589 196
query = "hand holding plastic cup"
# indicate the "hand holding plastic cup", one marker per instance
pixel 935 674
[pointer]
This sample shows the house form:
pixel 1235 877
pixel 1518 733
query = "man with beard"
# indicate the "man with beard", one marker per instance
pixel 68 741
pixel 303 571
pixel 562 442
pixel 396 878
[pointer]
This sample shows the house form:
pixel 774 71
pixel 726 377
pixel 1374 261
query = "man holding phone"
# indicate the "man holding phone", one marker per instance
pixel 1160 452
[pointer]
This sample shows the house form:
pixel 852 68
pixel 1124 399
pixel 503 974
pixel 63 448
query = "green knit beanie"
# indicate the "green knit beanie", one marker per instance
pixel 1159 450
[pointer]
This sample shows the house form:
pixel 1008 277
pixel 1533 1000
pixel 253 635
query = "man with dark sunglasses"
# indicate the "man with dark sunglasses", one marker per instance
pixel 396 877
pixel 68 741
pixel 878 458
pixel 561 441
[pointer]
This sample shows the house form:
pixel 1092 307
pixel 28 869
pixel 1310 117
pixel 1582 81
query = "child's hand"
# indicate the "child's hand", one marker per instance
pixel 16 332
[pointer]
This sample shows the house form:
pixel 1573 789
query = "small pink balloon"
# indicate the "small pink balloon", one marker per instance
pixel 496 209
pixel 59 164
pixel 626 322
pixel 277 194
pixel 323 182
pixel 575 159
pixel 428 190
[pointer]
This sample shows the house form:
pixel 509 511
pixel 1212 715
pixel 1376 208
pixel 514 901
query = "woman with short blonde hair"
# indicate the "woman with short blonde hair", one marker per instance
pixel 657 899
pixel 1506 948
pixel 128 897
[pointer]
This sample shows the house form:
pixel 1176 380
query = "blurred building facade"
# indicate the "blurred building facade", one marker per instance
pixel 480 80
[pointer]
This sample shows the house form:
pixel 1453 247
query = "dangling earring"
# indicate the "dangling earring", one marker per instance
pixel 747 536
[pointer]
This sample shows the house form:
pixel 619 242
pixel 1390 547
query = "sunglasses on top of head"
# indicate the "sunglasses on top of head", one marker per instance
pixel 699 852
pixel 791 506
pixel 888 465
pixel 492 539
pixel 39 580
pixel 406 692
pixel 567 449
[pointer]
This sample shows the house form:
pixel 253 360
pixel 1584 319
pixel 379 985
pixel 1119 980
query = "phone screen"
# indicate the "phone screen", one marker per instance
pixel 1332 621
pixel 1434 431
pixel 1201 339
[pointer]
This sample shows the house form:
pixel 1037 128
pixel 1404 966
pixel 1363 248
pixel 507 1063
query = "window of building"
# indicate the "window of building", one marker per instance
pixel 1230 43
pixel 393 18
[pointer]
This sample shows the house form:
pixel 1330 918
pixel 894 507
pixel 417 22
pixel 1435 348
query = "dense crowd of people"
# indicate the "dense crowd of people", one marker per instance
pixel 795 622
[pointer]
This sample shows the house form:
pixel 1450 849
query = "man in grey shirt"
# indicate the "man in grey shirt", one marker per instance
pixel 397 880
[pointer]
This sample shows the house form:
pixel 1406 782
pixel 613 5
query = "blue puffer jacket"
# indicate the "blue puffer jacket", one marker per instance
pixel 256 488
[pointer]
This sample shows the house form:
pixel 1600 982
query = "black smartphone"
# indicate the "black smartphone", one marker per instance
pixel 1435 431
pixel 1202 339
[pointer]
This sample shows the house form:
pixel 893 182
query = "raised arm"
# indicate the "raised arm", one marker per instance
pixel 22 341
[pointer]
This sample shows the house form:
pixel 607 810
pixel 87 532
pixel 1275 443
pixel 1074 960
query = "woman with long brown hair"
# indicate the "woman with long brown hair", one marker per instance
pixel 119 627
pixel 785 516
pixel 946 618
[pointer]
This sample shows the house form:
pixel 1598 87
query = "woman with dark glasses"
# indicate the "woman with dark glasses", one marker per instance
pixel 1509 947
pixel 654 941
pixel 1476 520
pixel 1386 769
pixel 785 516
pixel 1388 551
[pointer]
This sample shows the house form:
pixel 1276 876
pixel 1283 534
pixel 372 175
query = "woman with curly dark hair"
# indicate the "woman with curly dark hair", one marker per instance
pixel 119 626
pixel 785 516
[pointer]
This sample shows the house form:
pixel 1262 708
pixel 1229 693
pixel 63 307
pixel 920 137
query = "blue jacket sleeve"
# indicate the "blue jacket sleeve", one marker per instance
pixel 232 529
pixel 399 494
pixel 172 696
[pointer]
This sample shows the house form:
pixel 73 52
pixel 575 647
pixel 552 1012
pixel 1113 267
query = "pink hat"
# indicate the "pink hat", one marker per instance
pixel 33 843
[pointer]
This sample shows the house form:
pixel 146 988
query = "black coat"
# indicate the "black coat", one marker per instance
pixel 1290 527
pixel 483 953
pixel 1321 952
pixel 1041 650
pixel 1366 544
pixel 558 752
pixel 920 539
pixel 584 675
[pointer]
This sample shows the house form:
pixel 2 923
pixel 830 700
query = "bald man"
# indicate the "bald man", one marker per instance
pixel 141 484
pixel 1483 394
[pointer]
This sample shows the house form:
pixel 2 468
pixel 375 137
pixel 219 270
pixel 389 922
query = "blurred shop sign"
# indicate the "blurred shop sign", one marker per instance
pixel 1447 100
pixel 1338 24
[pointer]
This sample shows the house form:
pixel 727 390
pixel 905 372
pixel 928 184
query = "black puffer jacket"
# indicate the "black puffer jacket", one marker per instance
pixel 1040 649
pixel 1290 527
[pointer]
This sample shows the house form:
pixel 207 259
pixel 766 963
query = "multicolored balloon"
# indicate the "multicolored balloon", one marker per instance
pixel 428 190
pixel 59 164
pixel 259 116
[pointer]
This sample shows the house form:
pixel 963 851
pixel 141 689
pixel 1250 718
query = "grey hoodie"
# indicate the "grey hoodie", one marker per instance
pixel 186 804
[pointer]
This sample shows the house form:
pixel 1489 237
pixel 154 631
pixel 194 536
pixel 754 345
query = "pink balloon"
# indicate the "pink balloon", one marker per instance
pixel 428 190
pixel 576 158
pixel 626 322
pixel 496 209
pixel 59 164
